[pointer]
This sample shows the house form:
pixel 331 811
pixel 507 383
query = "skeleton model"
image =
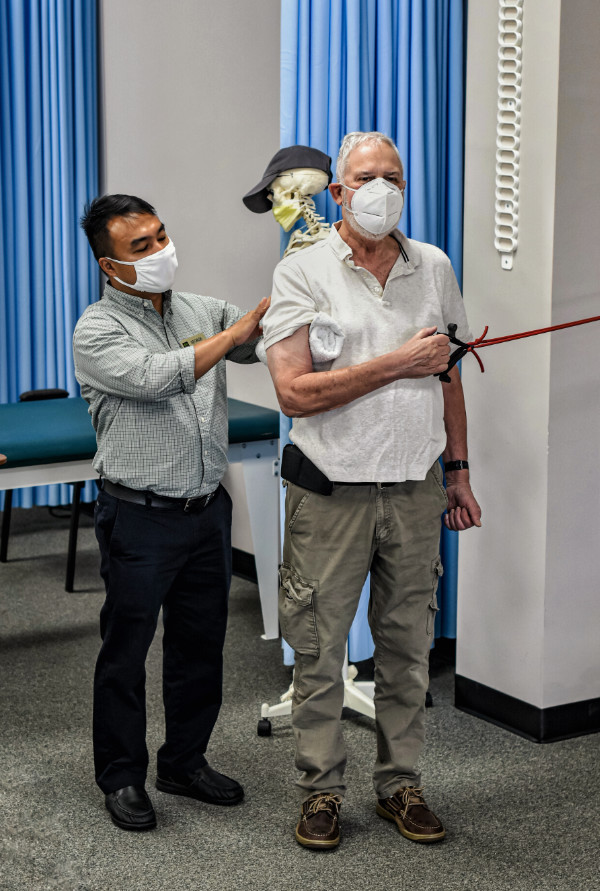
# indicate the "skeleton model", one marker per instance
pixel 291 193
pixel 293 176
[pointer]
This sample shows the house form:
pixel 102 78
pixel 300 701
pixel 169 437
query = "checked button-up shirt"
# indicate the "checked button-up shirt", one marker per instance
pixel 157 428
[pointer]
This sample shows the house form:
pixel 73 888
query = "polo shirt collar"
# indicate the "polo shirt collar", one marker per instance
pixel 135 305
pixel 343 251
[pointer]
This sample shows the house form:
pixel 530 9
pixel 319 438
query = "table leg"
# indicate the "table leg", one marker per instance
pixel 74 528
pixel 5 526
pixel 260 465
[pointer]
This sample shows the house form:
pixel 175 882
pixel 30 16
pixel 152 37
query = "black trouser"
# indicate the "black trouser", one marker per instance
pixel 153 557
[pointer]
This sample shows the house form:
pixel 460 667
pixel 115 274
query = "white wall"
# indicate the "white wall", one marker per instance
pixel 526 579
pixel 191 119
pixel 572 654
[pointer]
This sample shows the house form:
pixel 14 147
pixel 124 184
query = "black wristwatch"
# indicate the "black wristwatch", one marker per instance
pixel 456 465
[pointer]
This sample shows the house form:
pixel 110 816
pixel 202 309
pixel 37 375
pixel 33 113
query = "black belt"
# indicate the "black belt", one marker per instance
pixel 298 469
pixel 150 499
pixel 338 483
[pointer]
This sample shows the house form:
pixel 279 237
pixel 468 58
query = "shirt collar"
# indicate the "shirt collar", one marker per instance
pixel 343 251
pixel 135 305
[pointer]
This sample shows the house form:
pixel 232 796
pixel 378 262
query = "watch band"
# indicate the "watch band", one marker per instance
pixel 456 465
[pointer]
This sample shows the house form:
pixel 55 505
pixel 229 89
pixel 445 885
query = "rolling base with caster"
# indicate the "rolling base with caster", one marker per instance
pixel 358 695
pixel 283 707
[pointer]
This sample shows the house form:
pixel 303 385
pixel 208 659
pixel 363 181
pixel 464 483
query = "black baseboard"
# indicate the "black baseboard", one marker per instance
pixel 244 565
pixel 538 724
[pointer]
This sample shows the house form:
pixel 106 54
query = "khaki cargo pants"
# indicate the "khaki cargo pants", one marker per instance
pixel 330 545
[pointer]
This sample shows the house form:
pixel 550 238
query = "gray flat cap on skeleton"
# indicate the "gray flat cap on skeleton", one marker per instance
pixel 289 158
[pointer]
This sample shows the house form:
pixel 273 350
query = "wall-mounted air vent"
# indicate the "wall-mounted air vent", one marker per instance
pixel 508 131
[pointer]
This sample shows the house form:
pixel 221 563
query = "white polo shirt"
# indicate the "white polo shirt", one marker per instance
pixel 396 432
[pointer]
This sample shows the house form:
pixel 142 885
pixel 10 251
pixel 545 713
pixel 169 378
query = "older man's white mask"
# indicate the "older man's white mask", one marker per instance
pixel 376 206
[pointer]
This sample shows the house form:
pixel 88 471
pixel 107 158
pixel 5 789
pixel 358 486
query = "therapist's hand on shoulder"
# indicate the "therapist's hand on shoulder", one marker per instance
pixel 210 351
pixel 248 327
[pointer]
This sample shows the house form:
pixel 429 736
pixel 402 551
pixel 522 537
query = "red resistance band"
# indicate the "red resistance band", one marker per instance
pixel 474 345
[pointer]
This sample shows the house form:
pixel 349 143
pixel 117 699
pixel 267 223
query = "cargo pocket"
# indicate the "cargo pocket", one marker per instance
pixel 437 571
pixel 297 611
pixel 438 476
pixel 297 499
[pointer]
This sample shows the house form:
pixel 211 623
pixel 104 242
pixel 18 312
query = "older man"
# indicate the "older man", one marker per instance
pixel 364 486
pixel 151 364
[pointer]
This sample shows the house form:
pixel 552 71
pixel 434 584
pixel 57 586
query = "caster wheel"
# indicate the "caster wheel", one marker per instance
pixel 428 700
pixel 264 727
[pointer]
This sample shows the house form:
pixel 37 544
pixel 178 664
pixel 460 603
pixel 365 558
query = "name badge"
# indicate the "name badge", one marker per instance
pixel 190 341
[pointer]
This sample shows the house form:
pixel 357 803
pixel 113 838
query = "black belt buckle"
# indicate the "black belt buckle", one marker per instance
pixel 298 469
pixel 199 503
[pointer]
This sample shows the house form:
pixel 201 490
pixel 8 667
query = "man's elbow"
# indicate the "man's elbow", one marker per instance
pixel 295 408
pixel 289 403
pixel 289 407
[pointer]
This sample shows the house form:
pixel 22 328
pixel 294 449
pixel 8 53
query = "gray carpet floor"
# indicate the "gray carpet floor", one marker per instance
pixel 519 815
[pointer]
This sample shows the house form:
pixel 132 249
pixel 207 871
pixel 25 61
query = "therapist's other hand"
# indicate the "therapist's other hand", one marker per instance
pixel 248 327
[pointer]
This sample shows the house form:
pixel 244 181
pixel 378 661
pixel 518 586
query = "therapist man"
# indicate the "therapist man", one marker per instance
pixel 151 364
pixel 365 490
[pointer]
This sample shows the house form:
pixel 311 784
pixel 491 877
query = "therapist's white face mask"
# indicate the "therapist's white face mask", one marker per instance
pixel 155 273
pixel 376 207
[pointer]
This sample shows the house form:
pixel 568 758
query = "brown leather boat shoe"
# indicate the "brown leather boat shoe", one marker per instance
pixel 319 822
pixel 407 808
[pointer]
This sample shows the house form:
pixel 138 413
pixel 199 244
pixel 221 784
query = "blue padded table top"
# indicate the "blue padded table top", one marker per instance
pixel 55 430
pixel 46 432
pixel 249 423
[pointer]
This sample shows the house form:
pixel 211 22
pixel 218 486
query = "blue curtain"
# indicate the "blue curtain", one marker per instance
pixel 396 66
pixel 48 170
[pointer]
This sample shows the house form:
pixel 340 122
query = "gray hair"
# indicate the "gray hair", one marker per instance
pixel 352 141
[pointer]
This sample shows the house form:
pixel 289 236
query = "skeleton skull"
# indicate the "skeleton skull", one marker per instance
pixel 291 193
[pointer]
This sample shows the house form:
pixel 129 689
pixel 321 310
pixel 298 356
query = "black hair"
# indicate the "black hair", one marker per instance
pixel 100 211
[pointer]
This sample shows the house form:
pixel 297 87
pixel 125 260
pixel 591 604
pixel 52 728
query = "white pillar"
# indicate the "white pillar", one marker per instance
pixel 529 604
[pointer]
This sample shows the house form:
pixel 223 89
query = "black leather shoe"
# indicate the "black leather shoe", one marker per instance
pixel 205 784
pixel 130 808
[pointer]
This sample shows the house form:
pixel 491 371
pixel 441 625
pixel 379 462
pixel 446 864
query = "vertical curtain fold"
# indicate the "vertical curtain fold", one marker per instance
pixel 48 170
pixel 396 66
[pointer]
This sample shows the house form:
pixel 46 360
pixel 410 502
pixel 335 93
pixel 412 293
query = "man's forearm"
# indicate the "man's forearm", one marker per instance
pixel 302 392
pixel 455 421
pixel 316 392
pixel 463 509
pixel 210 351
